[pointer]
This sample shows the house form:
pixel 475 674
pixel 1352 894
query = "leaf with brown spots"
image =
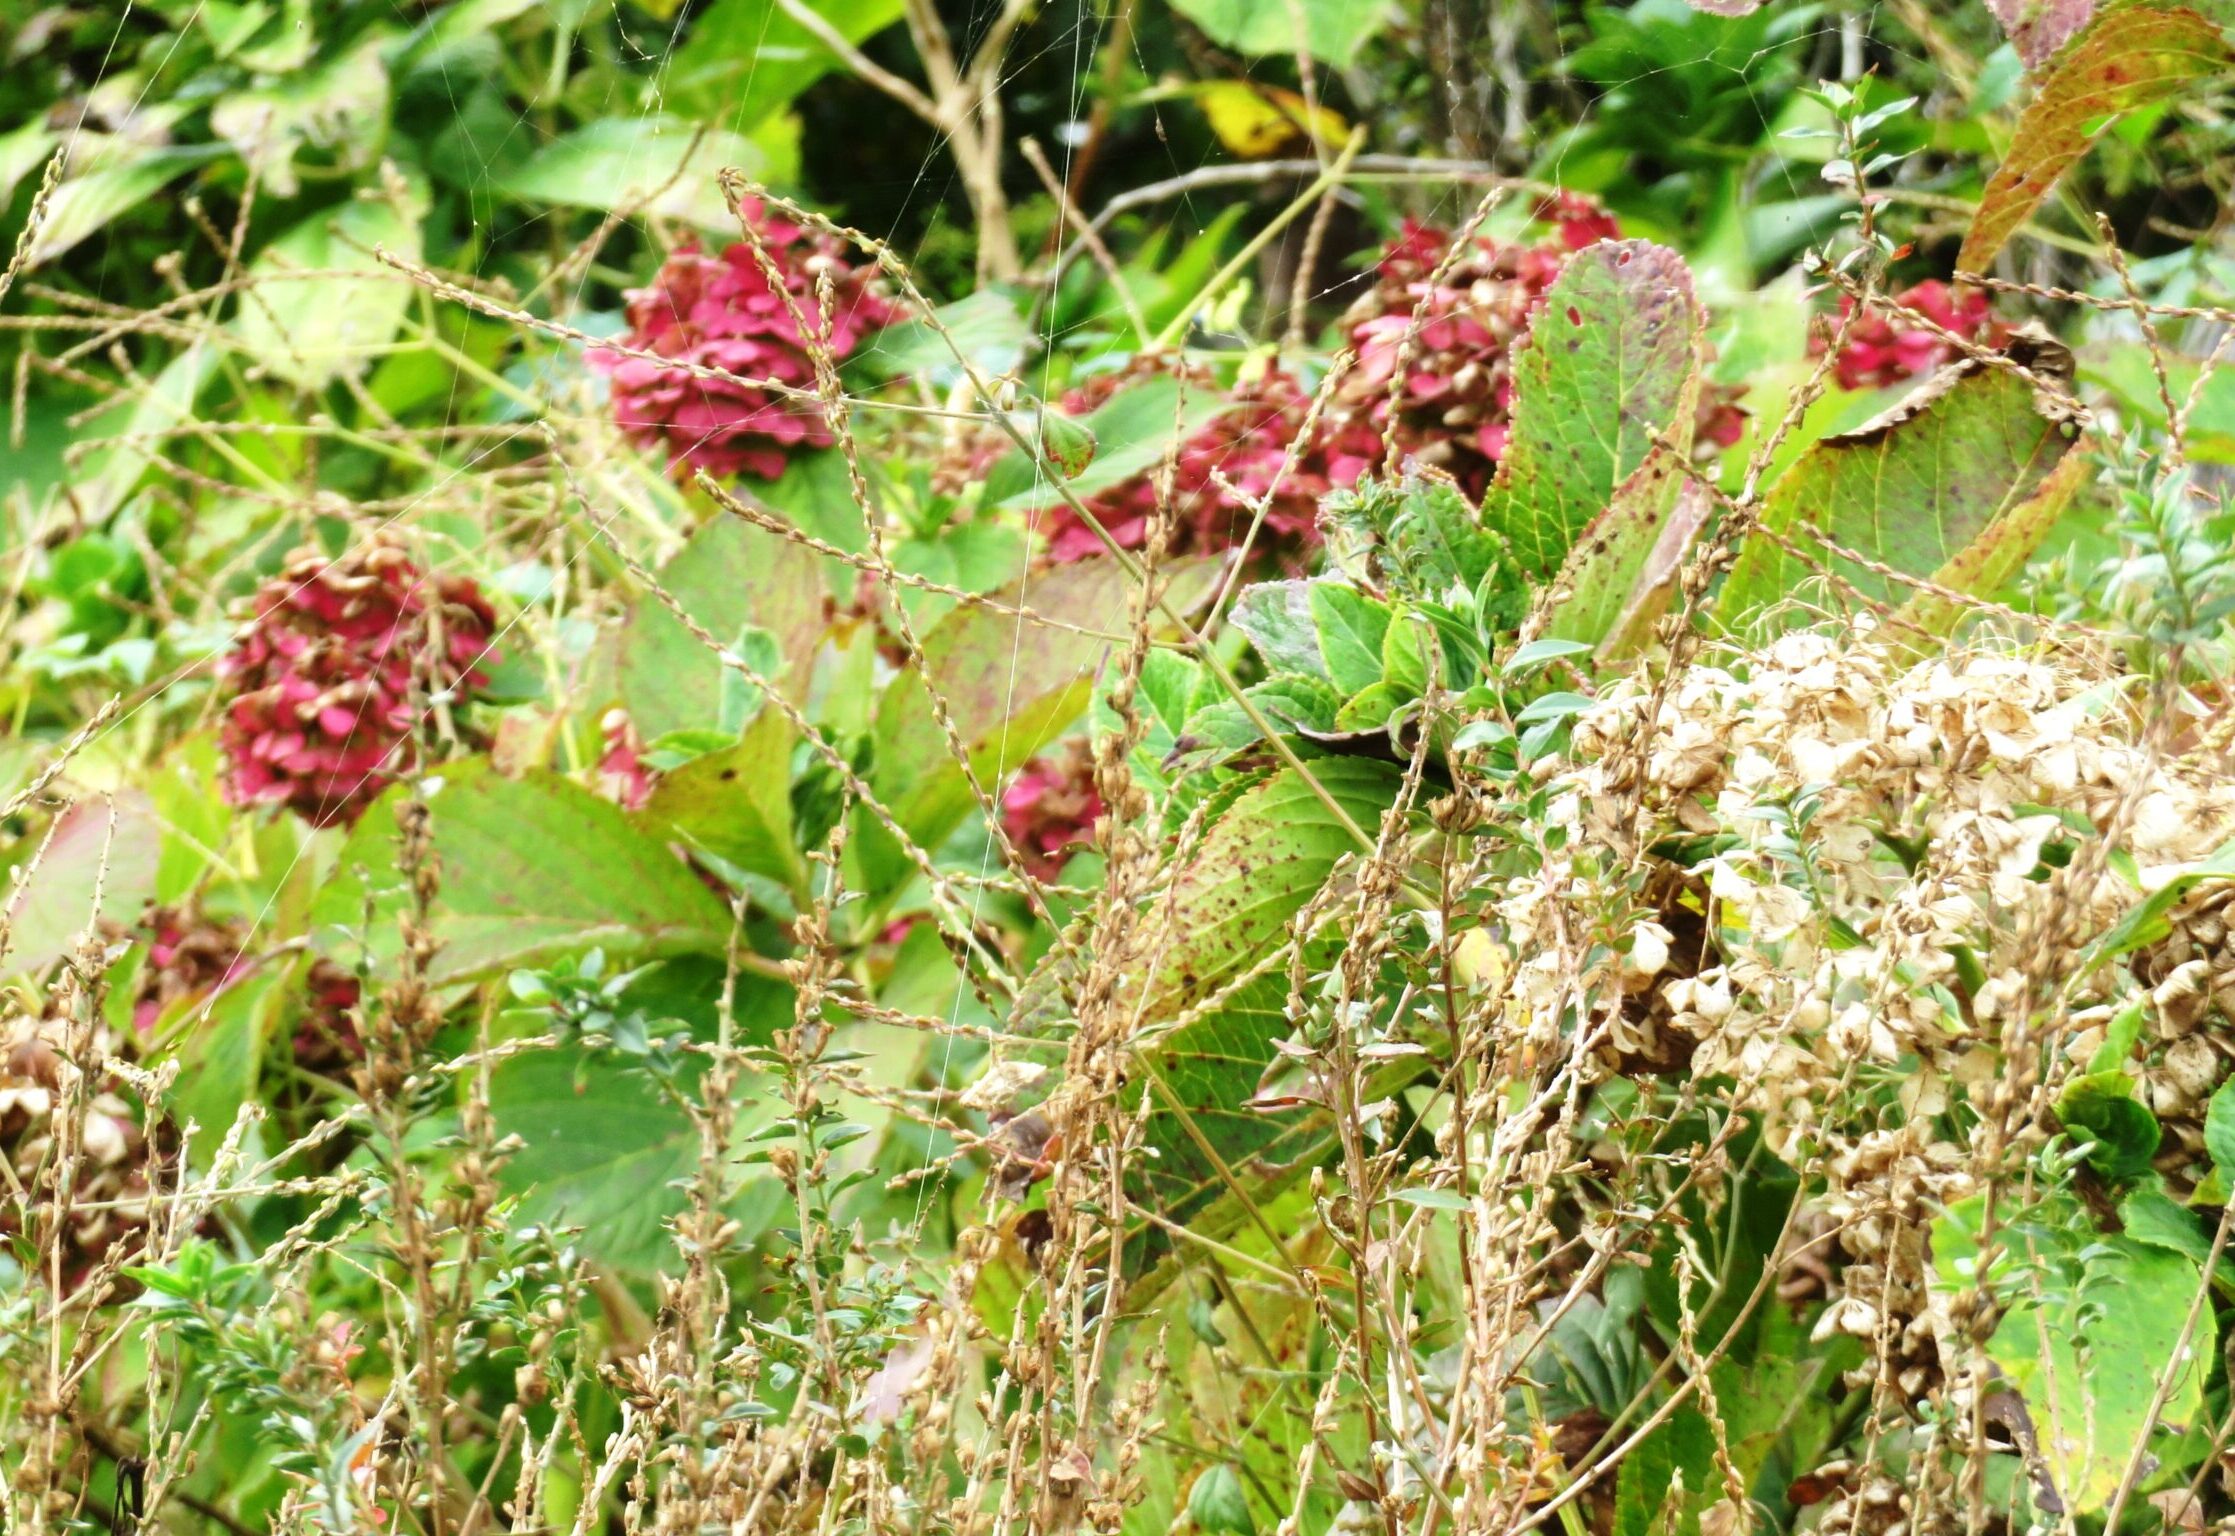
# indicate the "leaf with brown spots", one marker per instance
pixel 1618 576
pixel 1939 486
pixel 1611 359
pixel 2127 58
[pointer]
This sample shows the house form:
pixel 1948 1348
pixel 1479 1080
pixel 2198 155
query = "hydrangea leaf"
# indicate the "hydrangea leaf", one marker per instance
pixel 731 575
pixel 1610 363
pixel 2128 57
pixel 1331 31
pixel 1619 575
pixel 736 803
pixel 532 868
pixel 102 847
pixel 1131 433
pixel 2000 550
pixel 1277 617
pixel 2093 1325
pixel 1352 630
pixel 1010 686
pixel 608 1151
pixel 1912 490
pixel 617 163
pixel 1232 905
pixel 221 1052
pixel 312 332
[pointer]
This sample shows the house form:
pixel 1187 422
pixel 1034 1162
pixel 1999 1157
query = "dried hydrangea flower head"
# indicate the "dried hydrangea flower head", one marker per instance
pixel 1883 349
pixel 739 313
pixel 114 1164
pixel 320 680
pixel 1434 339
pixel 1985 756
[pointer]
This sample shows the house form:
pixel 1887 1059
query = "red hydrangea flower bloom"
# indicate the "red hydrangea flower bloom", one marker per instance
pixel 623 776
pixel 320 718
pixel 1883 349
pixel 188 955
pixel 1434 339
pixel 325 1034
pixel 1578 220
pixel 723 312
pixel 1050 808
pixel 1453 338
pixel 1217 477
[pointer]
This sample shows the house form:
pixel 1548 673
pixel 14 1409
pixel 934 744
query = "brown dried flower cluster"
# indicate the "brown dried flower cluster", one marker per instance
pixel 1857 853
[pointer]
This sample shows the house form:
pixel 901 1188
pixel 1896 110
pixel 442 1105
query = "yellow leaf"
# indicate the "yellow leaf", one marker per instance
pixel 1257 122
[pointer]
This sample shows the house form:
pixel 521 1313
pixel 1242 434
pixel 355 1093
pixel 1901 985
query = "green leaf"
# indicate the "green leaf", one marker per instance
pixel 23 151
pixel 188 796
pixel 532 869
pixel 2152 1216
pixel 2126 1134
pixel 1368 708
pixel 311 332
pixel 1352 631
pixel 1289 700
pixel 1993 559
pixel 1331 31
pixel 601 1149
pixel 620 162
pixel 1913 490
pixel 1010 686
pixel 121 179
pixel 746 60
pixel 1404 655
pixel 123 439
pixel 2089 1334
pixel 1611 359
pixel 2145 922
pixel 1217 1504
pixel 1622 572
pixel 2219 1131
pixel 1434 1199
pixel 1277 617
pixel 986 327
pixel 221 1054
pixel 731 576
pixel 1421 540
pixel 341 106
pixel 741 698
pixel 1231 906
pixel 102 845
pixel 1065 444
pixel 2119 1038
pixel 2129 57
pixel 735 803
pixel 1681 1449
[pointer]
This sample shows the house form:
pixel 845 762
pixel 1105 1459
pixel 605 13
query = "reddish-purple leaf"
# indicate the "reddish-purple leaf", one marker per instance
pixel 2126 58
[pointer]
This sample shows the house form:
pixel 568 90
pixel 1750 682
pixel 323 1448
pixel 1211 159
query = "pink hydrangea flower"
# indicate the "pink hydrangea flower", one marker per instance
pixel 1050 808
pixel 1883 349
pixel 320 716
pixel 1217 477
pixel 724 312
